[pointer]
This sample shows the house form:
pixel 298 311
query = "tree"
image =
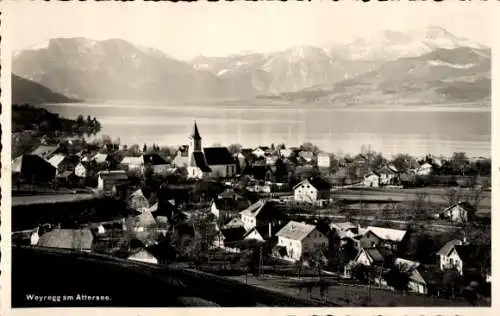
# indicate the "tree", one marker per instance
pixel 234 148
pixel 458 162
pixel 403 162
pixel 144 148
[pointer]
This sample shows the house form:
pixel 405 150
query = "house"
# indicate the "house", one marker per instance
pixel 416 282
pixel 32 168
pixel 142 255
pixel 388 175
pixel 71 239
pixel 230 238
pixel 296 239
pixel 208 161
pixel 47 151
pixel 312 190
pixel 153 161
pixel 375 256
pixel 323 160
pixel 85 169
pixel 371 180
pixel 262 213
pixel 62 163
pixel 271 160
pixel 342 177
pixel 382 237
pixel 106 180
pixel 285 153
pixel 227 207
pixel 261 151
pixel 106 161
pixel 261 233
pixel 460 212
pixel 306 155
pixel 447 257
pixel 141 200
pixel 424 170
pixel 234 222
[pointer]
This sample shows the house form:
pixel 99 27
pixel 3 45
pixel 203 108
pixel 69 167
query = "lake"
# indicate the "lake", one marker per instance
pixel 414 130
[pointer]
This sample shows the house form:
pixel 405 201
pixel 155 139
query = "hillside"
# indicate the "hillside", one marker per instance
pixel 27 91
pixel 441 76
pixel 428 65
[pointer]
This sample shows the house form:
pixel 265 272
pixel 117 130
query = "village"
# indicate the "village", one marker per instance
pixel 341 230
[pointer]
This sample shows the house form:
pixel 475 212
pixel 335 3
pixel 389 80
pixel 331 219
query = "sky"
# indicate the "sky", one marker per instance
pixel 186 30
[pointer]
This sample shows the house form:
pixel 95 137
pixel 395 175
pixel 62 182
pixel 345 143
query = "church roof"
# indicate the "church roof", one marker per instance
pixel 218 156
pixel 196 133
pixel 198 160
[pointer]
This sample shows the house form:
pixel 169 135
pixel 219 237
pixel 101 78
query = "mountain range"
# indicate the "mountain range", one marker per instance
pixel 429 65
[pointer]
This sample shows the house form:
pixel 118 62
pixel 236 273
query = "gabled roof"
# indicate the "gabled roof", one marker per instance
pixel 57 159
pixel 262 209
pixel 45 151
pixel 234 222
pixel 343 225
pixel 405 266
pixel 230 204
pixel 140 254
pixel 131 160
pixel 113 174
pixel 391 234
pixel 218 156
pixel 465 205
pixel 67 239
pixel 295 230
pixel 387 170
pixel 263 231
pixel 378 255
pixel 448 247
pixel 316 182
pixel 233 234
pixel 372 172
pixel 198 160
pixel 100 158
pixel 145 219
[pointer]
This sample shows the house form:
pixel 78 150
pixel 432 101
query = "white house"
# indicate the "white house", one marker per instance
pixel 106 180
pixel 262 213
pixel 388 175
pixel 230 239
pixel 261 233
pixel 416 282
pixel 460 212
pixel 296 239
pixel 424 170
pixel 260 151
pixel 323 160
pixel 371 180
pixel 285 153
pixel 447 256
pixel 84 170
pixel 312 190
pixel 62 163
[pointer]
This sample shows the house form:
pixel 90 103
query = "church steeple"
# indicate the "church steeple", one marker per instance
pixel 196 133
pixel 195 139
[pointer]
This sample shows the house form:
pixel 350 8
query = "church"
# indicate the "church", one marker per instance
pixel 202 162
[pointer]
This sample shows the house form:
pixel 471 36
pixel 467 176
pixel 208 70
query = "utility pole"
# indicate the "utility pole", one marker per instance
pixel 261 262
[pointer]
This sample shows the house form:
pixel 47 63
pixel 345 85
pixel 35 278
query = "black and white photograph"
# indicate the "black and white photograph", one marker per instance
pixel 315 154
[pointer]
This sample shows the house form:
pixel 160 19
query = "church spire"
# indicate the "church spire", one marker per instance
pixel 196 134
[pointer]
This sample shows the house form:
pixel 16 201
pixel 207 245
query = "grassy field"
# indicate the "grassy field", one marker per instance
pixel 341 294
pixel 50 198
pixel 372 198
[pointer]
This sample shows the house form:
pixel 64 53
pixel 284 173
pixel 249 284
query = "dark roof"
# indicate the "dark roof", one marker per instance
pixel 264 210
pixel 196 133
pixel 218 156
pixel 199 161
pixel 154 159
pixel 317 182
pixel 379 254
pixel 233 234
pixel 231 204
